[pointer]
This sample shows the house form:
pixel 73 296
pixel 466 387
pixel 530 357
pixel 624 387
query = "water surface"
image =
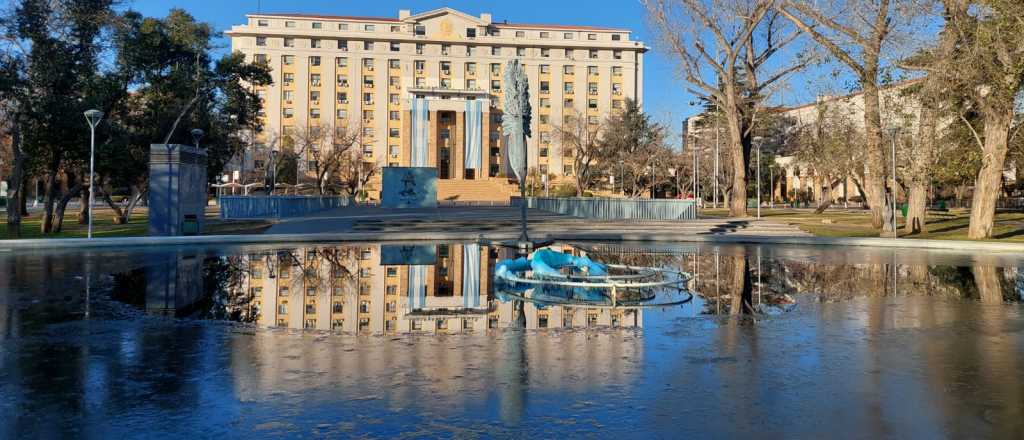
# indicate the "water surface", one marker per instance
pixel 414 340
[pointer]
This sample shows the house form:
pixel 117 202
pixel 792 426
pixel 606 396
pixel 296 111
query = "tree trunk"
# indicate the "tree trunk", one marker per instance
pixel 986 279
pixel 874 179
pixel 46 226
pixel 742 288
pixel 826 198
pixel 920 164
pixel 83 209
pixel 917 207
pixel 62 205
pixel 738 201
pixel 990 176
pixel 23 200
pixel 118 212
pixel 16 193
pixel 137 195
pixel 861 192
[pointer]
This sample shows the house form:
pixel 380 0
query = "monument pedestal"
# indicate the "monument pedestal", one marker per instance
pixel 177 190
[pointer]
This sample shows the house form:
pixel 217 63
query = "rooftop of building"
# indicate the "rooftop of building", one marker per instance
pixel 832 98
pixel 500 25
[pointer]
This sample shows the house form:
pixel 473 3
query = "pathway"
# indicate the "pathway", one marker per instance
pixel 473 221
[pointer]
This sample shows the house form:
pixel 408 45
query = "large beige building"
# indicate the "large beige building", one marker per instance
pixel 425 89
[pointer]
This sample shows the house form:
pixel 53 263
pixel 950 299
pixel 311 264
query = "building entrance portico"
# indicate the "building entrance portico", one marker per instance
pixel 446 130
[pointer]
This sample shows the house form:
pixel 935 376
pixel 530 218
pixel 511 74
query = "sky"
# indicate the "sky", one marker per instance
pixel 665 97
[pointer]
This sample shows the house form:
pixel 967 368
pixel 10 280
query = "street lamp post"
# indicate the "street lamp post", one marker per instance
pixel 93 117
pixel 197 135
pixel 717 136
pixel 758 140
pixel 696 162
pixel 273 171
pixel 895 132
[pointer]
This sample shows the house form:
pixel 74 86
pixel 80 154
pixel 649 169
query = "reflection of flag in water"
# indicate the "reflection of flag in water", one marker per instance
pixel 471 276
pixel 417 287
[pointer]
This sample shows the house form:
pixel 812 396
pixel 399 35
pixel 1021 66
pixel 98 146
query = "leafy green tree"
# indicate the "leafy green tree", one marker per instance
pixel 15 160
pixel 636 146
pixel 59 45
pixel 176 87
pixel 989 74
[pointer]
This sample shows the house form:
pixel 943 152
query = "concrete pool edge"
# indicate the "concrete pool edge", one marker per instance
pixel 350 237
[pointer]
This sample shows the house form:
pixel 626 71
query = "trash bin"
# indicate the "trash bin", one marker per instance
pixel 190 226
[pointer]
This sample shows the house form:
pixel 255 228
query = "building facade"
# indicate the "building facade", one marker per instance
pixel 426 89
pixel 799 180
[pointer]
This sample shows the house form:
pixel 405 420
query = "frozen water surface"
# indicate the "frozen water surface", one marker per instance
pixel 417 341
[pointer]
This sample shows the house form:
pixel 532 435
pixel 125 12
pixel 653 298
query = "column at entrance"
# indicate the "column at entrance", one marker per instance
pixel 458 146
pixel 432 139
pixel 407 135
pixel 485 146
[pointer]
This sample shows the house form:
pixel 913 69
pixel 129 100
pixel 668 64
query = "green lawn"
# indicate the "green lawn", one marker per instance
pixel 103 226
pixel 950 225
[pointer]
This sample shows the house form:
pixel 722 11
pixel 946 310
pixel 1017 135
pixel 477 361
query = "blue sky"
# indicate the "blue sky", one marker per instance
pixel 664 94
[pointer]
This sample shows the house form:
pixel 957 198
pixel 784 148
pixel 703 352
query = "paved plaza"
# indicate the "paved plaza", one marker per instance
pixel 475 221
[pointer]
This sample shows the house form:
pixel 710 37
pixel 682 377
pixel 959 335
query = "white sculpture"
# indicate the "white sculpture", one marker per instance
pixel 515 124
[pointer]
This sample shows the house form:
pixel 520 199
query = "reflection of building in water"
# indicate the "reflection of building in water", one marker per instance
pixel 396 289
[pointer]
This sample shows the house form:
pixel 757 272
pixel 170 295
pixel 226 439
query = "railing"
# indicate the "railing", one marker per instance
pixel 1003 203
pixel 614 209
pixel 249 207
pixel 472 203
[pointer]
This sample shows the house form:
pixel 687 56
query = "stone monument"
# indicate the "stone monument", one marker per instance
pixel 409 187
pixel 177 189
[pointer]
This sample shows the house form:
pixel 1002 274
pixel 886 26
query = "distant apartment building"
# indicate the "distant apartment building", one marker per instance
pixel 899 110
pixel 426 89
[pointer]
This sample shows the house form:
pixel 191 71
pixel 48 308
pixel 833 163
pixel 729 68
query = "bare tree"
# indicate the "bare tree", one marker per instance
pixel 854 33
pixel 581 143
pixel 724 48
pixel 326 149
pixel 933 95
pixel 827 148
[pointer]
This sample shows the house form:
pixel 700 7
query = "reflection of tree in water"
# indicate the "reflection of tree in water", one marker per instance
pixel 839 282
pixel 320 267
pixel 226 299
pixel 225 293
pixel 640 258
pixel 732 287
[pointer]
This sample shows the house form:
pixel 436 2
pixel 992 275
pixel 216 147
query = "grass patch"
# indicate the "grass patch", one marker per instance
pixel 951 225
pixel 103 226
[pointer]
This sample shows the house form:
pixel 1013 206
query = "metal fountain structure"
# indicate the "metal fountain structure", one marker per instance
pixel 548 277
